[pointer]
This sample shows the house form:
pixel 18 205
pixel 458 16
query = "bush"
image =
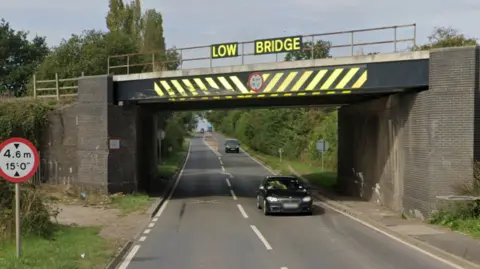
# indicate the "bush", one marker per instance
pixel 23 118
pixel 176 128
pixel 35 213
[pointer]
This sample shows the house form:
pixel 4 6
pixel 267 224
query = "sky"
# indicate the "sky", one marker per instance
pixel 219 21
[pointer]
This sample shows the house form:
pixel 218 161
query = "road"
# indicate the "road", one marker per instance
pixel 211 221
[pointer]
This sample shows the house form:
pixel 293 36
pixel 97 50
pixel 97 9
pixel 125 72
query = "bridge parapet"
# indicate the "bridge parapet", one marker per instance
pixel 251 52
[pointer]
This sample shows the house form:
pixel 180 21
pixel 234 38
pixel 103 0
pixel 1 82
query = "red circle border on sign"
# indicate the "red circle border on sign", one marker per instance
pixel 36 159
pixel 250 78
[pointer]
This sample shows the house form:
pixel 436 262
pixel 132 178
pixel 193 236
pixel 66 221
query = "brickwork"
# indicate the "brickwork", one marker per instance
pixel 133 165
pixel 414 145
pixel 122 166
pixel 58 150
pixel 92 113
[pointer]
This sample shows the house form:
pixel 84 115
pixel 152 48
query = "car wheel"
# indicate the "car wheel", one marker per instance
pixel 258 203
pixel 265 208
pixel 238 151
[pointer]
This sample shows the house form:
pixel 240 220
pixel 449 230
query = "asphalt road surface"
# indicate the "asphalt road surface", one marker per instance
pixel 211 221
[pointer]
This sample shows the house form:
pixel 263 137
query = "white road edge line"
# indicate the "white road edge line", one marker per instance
pixel 151 225
pixel 228 182
pixel 134 250
pixel 223 168
pixel 143 238
pixel 454 265
pixel 260 236
pixel 244 214
pixel 233 195
pixel 221 162
pixel 129 257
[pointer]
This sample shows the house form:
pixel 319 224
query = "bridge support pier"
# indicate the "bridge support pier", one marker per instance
pixel 104 169
pixel 405 149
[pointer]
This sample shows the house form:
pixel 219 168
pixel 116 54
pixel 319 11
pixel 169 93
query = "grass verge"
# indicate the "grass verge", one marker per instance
pixel 314 173
pixel 457 222
pixel 63 251
pixel 131 203
pixel 171 164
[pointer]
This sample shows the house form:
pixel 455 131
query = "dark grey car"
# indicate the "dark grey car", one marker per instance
pixel 232 145
pixel 283 194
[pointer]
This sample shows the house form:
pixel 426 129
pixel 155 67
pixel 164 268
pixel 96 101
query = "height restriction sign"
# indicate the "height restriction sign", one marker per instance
pixel 19 159
pixel 255 82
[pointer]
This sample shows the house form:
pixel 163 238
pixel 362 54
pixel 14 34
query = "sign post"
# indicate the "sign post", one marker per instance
pixel 19 161
pixel 322 146
pixel 280 151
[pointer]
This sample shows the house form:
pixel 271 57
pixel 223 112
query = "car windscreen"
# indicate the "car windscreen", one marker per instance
pixel 231 143
pixel 283 184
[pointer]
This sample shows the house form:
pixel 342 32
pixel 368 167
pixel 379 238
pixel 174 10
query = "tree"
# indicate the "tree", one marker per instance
pixel 87 53
pixel 19 58
pixel 443 37
pixel 321 49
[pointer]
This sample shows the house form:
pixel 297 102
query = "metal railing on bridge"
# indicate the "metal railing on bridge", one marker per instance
pixel 160 60
pixel 55 88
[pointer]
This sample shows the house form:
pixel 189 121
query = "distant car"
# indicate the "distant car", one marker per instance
pixel 283 194
pixel 232 145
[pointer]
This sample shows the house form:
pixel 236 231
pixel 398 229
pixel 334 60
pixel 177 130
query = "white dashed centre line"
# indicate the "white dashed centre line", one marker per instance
pixel 223 168
pixel 221 162
pixel 283 268
pixel 228 182
pixel 151 225
pixel 147 231
pixel 244 214
pixel 143 238
pixel 155 219
pixel 233 195
pixel 260 236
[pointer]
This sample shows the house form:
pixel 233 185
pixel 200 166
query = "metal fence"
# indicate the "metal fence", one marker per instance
pixel 158 60
pixel 55 88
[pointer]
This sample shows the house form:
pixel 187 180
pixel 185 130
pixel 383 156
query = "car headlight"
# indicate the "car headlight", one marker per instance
pixel 272 199
pixel 307 199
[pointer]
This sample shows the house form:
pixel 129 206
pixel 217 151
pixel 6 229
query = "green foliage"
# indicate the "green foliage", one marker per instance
pixel 87 52
pixel 295 130
pixel 24 119
pixel 19 57
pixel 321 49
pixel 177 128
pixel 444 37
pixel 35 213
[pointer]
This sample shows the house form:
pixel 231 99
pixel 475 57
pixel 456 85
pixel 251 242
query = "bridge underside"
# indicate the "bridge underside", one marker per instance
pixel 295 101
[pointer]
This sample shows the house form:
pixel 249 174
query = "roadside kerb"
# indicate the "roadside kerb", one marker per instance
pixel 153 209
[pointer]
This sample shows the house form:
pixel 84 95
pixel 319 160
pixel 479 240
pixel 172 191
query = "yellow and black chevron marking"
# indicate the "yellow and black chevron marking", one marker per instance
pixel 276 84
